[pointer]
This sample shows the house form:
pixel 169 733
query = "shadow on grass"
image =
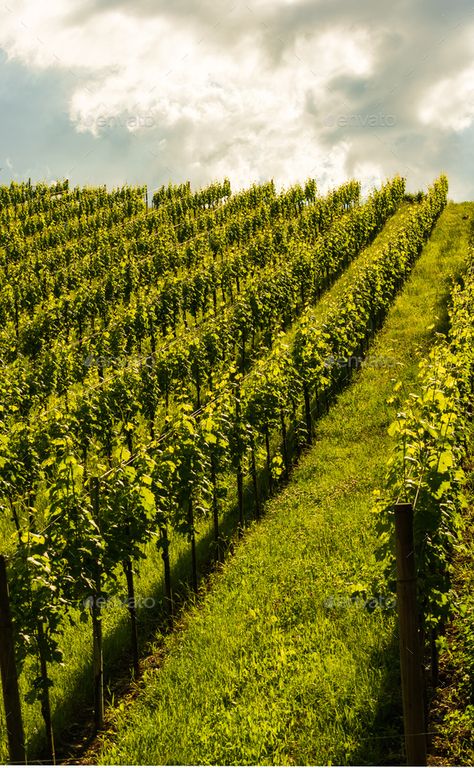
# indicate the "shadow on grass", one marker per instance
pixel 73 740
pixel 73 718
pixel 383 742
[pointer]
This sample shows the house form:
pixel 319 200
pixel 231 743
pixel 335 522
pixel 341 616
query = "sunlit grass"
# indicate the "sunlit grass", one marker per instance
pixel 265 670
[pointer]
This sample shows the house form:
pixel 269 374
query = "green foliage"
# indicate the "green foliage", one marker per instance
pixel 426 468
pixel 114 460
pixel 272 673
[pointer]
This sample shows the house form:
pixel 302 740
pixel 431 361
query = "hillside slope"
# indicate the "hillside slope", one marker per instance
pixel 278 665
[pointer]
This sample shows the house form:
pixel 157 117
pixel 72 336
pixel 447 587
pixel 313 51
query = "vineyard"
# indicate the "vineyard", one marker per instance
pixel 168 366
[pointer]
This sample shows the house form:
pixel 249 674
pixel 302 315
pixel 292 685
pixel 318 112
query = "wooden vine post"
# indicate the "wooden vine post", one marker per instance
pixel 11 694
pixel 132 612
pixel 167 571
pixel 215 509
pixel 410 651
pixel 96 610
pixel 240 474
pixel 192 534
pixel 45 698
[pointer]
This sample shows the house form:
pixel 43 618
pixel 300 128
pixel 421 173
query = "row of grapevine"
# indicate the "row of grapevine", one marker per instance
pixel 182 199
pixel 135 265
pixel 18 194
pixel 270 301
pixel 16 241
pixel 427 467
pixel 84 505
pixel 110 208
pixel 171 192
pixel 79 203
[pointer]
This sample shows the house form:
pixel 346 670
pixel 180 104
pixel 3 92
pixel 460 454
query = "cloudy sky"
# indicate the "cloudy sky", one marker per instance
pixel 108 91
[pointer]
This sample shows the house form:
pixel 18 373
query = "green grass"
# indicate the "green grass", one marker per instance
pixel 309 505
pixel 392 228
pixel 72 690
pixel 264 670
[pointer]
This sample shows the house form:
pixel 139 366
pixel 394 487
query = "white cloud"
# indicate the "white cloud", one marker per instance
pixel 450 103
pixel 168 78
pixel 370 175
pixel 180 78
pixel 267 88
pixel 161 74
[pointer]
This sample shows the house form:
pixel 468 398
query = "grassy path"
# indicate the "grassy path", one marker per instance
pixel 277 665
pixel 71 694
